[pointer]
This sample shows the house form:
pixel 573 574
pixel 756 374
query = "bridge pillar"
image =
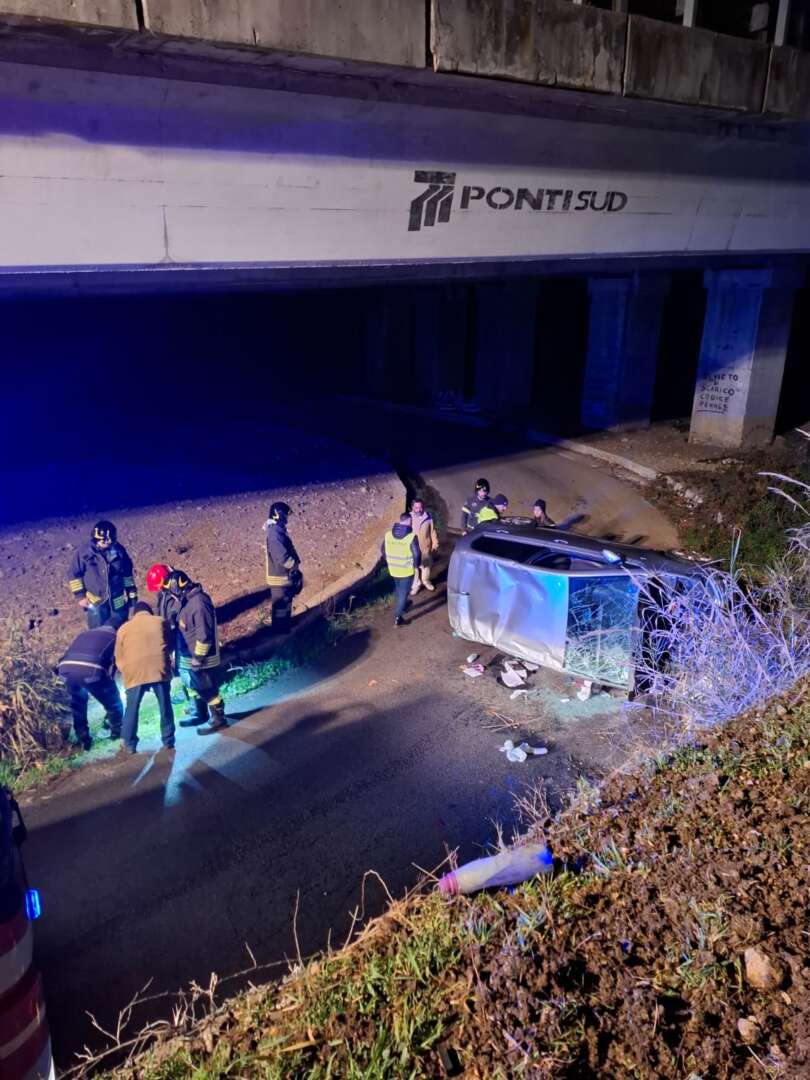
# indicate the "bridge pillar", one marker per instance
pixel 742 355
pixel 505 330
pixel 624 325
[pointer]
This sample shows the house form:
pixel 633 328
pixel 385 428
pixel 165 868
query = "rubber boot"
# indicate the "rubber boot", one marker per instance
pixel 198 716
pixel 217 721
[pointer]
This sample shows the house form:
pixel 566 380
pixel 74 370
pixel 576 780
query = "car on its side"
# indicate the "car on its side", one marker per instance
pixel 25 1043
pixel 554 598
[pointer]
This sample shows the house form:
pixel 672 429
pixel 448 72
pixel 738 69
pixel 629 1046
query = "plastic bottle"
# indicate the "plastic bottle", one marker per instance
pixel 506 868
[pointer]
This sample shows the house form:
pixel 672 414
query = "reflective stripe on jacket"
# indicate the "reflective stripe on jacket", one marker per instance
pixel 90 656
pixel 282 561
pixel 103 576
pixel 197 637
pixel 399 554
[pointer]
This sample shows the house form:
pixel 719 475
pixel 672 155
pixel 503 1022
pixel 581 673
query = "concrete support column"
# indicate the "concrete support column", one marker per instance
pixel 440 341
pixel 742 355
pixel 624 325
pixel 505 330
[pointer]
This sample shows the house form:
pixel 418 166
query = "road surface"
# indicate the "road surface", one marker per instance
pixel 378 757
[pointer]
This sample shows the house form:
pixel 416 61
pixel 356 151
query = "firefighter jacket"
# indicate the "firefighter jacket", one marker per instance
pixel 197 638
pixel 90 656
pixel 168 608
pixel 282 559
pixel 471 512
pixel 104 577
pixel 401 550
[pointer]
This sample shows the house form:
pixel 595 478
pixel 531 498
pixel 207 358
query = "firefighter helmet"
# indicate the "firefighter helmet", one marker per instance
pixel 177 582
pixel 104 532
pixel 156 575
pixel 482 484
pixel 279 511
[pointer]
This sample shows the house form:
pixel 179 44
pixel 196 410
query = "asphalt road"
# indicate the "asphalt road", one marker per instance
pixel 380 757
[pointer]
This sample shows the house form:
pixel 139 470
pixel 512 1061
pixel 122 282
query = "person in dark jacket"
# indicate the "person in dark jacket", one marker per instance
pixel 474 505
pixel 540 518
pixel 401 550
pixel 196 645
pixel 494 510
pixel 101 577
pixel 87 668
pixel 283 566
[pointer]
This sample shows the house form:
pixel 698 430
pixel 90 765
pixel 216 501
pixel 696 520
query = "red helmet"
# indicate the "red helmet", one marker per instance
pixel 155 575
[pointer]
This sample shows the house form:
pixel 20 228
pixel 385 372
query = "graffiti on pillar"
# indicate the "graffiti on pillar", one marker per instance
pixel 716 392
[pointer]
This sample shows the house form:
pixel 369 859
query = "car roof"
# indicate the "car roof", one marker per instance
pixel 632 557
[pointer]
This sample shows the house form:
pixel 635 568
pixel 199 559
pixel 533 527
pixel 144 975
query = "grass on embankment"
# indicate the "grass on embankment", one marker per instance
pixel 628 962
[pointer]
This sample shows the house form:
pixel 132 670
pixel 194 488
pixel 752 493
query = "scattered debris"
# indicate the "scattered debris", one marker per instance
pixel 584 691
pixel 506 868
pixel 513 674
pixel 517 694
pixel 474 670
pixel 472 657
pixel 520 753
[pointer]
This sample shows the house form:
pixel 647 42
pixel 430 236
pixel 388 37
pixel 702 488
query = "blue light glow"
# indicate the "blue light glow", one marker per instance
pixel 33 904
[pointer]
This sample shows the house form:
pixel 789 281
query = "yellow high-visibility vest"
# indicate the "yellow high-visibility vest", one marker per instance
pixel 398 555
pixel 487 513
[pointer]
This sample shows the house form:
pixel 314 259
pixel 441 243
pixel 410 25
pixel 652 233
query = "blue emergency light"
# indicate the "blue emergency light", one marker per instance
pixel 33 904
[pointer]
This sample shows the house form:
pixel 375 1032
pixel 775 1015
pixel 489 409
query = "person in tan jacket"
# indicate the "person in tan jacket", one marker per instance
pixel 425 532
pixel 142 655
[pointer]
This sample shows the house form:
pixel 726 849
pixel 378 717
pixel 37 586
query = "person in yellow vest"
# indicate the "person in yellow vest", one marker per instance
pixel 493 511
pixel 401 550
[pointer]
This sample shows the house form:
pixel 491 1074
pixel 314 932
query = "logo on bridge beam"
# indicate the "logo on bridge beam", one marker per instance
pixel 434 204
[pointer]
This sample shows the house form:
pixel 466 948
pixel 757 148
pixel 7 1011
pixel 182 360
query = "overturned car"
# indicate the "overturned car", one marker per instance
pixel 555 598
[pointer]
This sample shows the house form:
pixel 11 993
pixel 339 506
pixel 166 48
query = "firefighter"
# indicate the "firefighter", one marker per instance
pixel 283 566
pixel 196 648
pixel 87 668
pixel 401 550
pixel 494 510
pixel 101 578
pixel 473 506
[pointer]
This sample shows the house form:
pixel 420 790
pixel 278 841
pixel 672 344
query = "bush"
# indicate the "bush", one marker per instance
pixel 34 715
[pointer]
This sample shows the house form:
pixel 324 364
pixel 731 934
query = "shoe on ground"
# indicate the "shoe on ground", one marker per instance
pixel 130 750
pixel 429 587
pixel 86 743
pixel 115 734
pixel 168 746
pixel 399 621
pixel 191 721
pixel 212 727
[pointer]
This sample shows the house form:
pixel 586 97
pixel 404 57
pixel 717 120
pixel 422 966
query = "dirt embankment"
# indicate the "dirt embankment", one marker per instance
pixel 218 540
pixel 670 942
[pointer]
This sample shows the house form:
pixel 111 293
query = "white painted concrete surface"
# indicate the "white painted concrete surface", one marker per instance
pixel 111 170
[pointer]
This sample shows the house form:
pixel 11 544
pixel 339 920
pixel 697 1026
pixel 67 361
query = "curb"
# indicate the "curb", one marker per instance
pixel 643 471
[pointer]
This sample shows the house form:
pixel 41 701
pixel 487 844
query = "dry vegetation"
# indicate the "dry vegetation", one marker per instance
pixel 34 717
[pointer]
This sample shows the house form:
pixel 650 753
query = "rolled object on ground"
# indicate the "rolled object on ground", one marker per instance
pixel 506 868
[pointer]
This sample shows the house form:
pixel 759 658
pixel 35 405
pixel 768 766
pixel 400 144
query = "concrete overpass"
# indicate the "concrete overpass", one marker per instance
pixel 137 150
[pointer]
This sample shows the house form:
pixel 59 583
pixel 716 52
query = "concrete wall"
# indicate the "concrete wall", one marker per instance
pixel 694 66
pixel 788 90
pixel 92 12
pixel 552 42
pixel 111 170
pixel 385 31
